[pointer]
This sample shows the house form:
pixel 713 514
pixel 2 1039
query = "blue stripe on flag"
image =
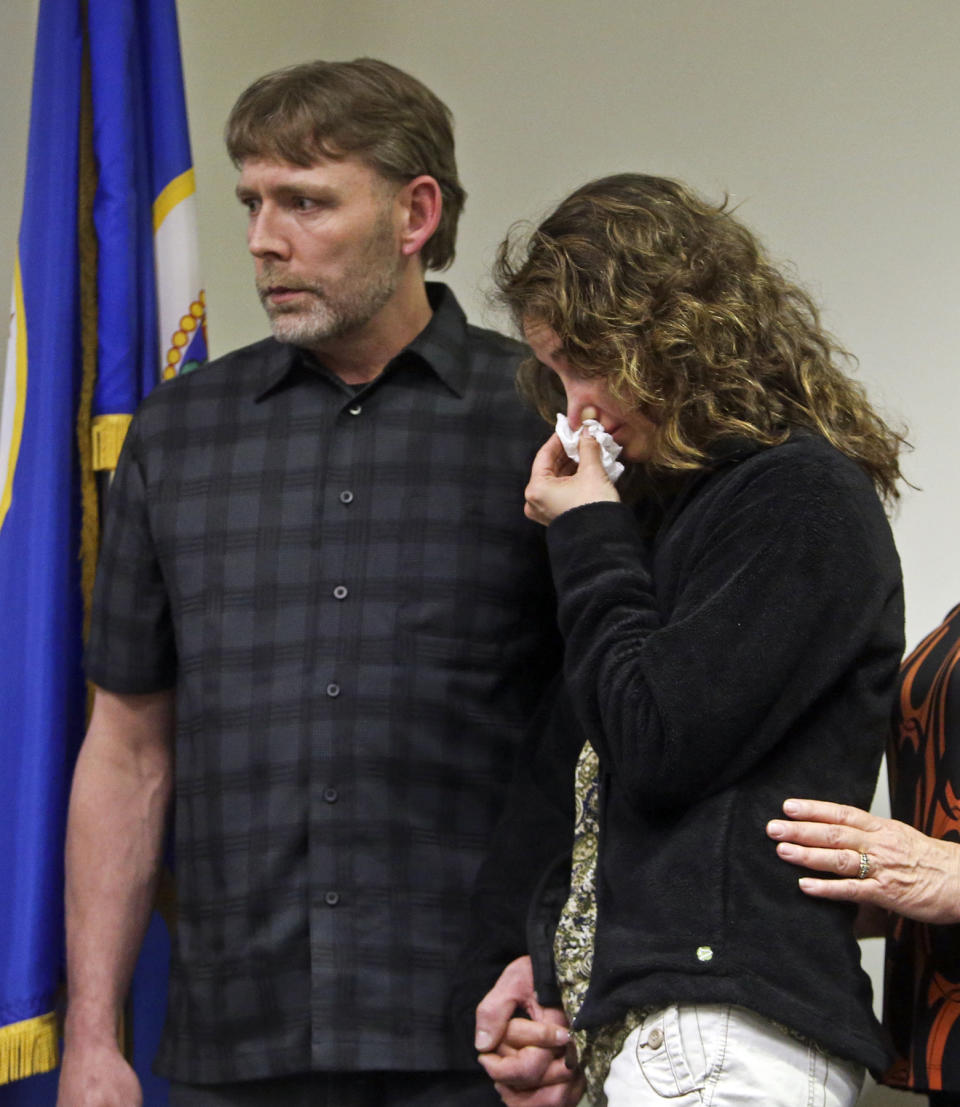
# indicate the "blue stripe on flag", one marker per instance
pixel 140 134
pixel 41 686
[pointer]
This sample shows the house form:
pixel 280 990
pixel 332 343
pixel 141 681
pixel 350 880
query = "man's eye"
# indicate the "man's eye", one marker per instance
pixel 304 203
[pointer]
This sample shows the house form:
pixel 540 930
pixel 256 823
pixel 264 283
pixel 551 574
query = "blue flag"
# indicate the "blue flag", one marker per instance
pixel 106 303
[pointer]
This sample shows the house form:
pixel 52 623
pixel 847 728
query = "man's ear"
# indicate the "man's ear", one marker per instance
pixel 421 203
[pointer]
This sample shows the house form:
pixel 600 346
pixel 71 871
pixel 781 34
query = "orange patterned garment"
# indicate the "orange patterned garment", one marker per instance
pixel 922 982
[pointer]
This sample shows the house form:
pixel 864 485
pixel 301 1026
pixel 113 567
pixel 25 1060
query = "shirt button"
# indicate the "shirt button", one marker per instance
pixel 355 409
pixel 332 899
pixel 346 496
pixel 340 592
pixel 330 795
pixel 333 690
pixel 704 953
pixel 655 1040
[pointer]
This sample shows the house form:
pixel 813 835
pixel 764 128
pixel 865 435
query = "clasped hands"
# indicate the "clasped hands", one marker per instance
pixel 525 1057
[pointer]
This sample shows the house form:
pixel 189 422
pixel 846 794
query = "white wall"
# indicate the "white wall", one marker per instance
pixel 16 67
pixel 832 123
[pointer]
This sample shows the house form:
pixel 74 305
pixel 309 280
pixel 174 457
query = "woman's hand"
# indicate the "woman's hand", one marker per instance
pixel 557 484
pixel 907 872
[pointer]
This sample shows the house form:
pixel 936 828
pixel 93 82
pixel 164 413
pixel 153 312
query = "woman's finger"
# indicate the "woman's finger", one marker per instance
pixel 526 1069
pixel 529 1032
pixel 822 811
pixel 851 891
pixel 842 862
pixel 829 836
pixel 589 450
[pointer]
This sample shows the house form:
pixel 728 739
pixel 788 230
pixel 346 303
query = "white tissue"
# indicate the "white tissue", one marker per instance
pixel 609 450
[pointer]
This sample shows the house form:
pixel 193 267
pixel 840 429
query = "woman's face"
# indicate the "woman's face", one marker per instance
pixel 589 397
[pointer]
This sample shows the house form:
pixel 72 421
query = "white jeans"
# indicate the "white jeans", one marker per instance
pixel 720 1056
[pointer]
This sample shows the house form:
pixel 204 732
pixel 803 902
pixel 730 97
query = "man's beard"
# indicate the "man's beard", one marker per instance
pixel 332 312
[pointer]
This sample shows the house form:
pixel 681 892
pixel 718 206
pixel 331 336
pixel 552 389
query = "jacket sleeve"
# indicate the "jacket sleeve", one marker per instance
pixel 524 879
pixel 776 592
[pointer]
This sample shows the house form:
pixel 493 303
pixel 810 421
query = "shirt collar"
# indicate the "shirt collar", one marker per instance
pixel 280 359
pixel 441 346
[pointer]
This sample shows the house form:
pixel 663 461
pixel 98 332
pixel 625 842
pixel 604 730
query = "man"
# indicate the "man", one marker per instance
pixel 321 621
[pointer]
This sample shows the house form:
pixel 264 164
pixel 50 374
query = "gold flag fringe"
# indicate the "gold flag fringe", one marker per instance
pixel 28 1048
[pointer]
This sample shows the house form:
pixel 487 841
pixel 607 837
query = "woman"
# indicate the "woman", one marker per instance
pixel 889 865
pixel 733 622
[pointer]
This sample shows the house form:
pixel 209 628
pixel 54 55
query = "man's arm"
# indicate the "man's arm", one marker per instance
pixel 118 806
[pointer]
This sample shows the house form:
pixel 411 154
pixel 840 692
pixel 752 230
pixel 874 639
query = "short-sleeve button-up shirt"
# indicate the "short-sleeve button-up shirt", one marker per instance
pixel 358 620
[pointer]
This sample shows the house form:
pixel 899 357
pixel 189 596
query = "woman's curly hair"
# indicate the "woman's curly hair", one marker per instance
pixel 674 301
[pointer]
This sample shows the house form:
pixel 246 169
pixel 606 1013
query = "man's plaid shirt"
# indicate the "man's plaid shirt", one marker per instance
pixel 358 621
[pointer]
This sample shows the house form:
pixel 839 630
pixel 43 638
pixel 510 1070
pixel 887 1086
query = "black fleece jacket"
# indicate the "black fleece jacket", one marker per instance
pixel 743 652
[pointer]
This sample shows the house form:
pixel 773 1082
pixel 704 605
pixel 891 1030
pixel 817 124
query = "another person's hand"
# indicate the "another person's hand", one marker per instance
pixel 906 872
pixel 525 1057
pixel 97 1076
pixel 557 484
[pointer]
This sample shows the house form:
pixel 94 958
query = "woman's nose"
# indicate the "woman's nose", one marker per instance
pixel 580 406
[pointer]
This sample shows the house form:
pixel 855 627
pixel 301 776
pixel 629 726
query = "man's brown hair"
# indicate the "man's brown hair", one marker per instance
pixel 365 107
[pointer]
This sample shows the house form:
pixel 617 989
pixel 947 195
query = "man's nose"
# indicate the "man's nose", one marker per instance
pixel 265 237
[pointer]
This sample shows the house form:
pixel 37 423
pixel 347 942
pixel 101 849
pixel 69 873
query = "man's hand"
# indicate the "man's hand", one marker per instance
pixel 556 484
pixel 97 1076
pixel 525 1057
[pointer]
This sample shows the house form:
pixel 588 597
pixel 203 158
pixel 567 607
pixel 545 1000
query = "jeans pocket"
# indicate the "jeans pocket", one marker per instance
pixel 678 1048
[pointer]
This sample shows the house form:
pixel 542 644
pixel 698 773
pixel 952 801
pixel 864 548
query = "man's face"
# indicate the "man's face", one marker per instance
pixel 325 244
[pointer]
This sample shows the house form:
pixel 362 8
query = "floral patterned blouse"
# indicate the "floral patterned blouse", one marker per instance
pixel 573 943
